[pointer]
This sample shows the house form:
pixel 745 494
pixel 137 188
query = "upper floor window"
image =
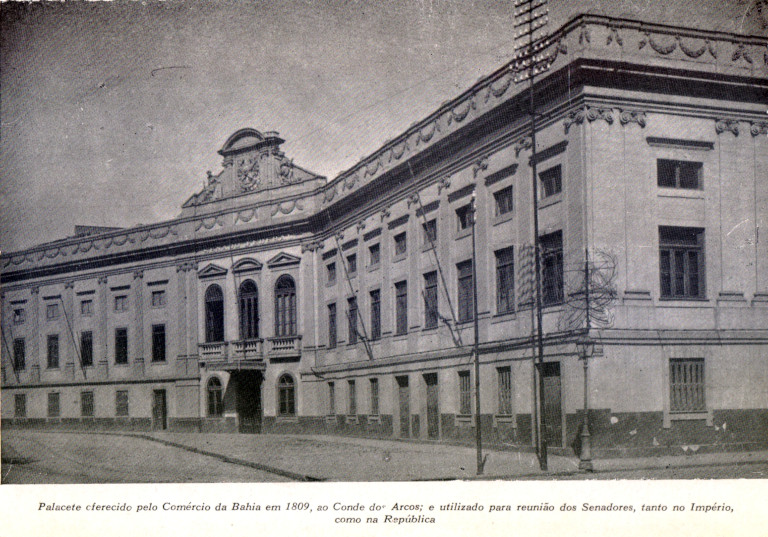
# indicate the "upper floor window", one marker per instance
pixel 158 298
pixel 249 310
pixel 214 314
pixel 285 306
pixel 331 326
pixel 19 354
pixel 352 264
pixel 330 269
pixel 401 308
pixel 375 314
pixel 503 201
pixel 505 280
pixel 121 345
pixel 86 348
pixel 681 259
pixel 430 300
pixel 679 174
pixel 19 315
pixel 551 181
pixel 121 303
pixel 374 254
pixel 352 319
pixel 53 351
pixel 52 311
pixel 430 232
pixel 464 217
pixel 400 244
pixel 465 294
pixel 286 395
pixel 551 268
pixel 86 307
pixel 158 343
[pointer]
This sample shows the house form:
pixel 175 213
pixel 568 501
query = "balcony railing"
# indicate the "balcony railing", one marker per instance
pixel 250 350
pixel 284 346
pixel 213 351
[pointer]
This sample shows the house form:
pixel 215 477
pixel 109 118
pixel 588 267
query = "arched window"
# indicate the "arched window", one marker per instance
pixel 285 307
pixel 286 394
pixel 214 314
pixel 215 397
pixel 249 310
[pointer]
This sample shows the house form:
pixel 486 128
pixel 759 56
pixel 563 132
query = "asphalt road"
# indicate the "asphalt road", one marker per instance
pixel 40 458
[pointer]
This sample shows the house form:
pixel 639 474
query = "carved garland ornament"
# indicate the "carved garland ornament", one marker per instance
pixel 632 116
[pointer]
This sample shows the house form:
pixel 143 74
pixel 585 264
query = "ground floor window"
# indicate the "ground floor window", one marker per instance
pixel 215 397
pixel 686 385
pixel 121 403
pixel 331 399
pixel 465 393
pixel 505 390
pixel 86 404
pixel 53 405
pixel 286 393
pixel 352 398
pixel 20 405
pixel 374 397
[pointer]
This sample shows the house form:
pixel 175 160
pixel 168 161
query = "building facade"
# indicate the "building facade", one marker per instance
pixel 280 301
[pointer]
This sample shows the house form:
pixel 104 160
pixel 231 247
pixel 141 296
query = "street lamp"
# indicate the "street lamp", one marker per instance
pixel 585 347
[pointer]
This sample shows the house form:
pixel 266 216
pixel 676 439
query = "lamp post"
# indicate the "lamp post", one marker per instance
pixel 585 346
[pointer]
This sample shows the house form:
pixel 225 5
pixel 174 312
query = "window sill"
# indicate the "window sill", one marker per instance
pixel 683 301
pixel 669 417
pixel 465 420
pixel 398 257
pixel 400 337
pixel 158 362
pixel 502 218
pixel 374 419
pixel 554 199
pixel 371 268
pixel 686 193
pixel 430 329
pixel 331 419
pixel 351 275
pixel 352 419
pixel 122 365
pixel 463 233
pixel 287 419
pixel 501 317
pixel 330 284
pixel 427 248
pixel 505 419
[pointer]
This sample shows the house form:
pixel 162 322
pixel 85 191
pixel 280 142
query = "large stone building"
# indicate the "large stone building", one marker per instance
pixel 282 301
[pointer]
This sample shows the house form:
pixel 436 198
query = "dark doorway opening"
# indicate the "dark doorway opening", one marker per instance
pixel 553 416
pixel 404 399
pixel 248 401
pixel 159 411
pixel 433 407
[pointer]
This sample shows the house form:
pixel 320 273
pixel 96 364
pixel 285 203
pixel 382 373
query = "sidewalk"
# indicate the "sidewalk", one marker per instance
pixel 333 458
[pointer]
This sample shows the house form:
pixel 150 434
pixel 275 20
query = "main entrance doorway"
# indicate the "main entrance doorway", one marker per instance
pixel 404 399
pixel 248 400
pixel 159 411
pixel 553 416
pixel 433 409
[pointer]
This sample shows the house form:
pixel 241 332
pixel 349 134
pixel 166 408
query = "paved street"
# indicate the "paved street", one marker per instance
pixel 53 457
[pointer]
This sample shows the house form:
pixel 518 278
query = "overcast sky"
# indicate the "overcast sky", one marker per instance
pixel 112 112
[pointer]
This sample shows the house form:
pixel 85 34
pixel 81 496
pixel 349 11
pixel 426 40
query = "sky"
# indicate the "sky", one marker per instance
pixel 111 113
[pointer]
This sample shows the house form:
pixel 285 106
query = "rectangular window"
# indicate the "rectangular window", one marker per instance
pixel 505 390
pixel 686 385
pixel 430 300
pixel 20 405
pixel 19 354
pixel 430 232
pixel 19 316
pixel 121 345
pixel 86 348
pixel 86 404
pixel 552 268
pixel 53 351
pixel 465 296
pixel 374 397
pixel 52 311
pixel 352 264
pixel 158 343
pixel 331 326
pixel 158 299
pixel 505 280
pixel 401 308
pixel 464 217
pixel 53 405
pixel 86 307
pixel 121 403
pixel 331 272
pixel 352 398
pixel 374 254
pixel 331 399
pixel 121 303
pixel 352 320
pixel 465 393
pixel 679 174
pixel 681 259
pixel 551 181
pixel 401 244
pixel 375 314
pixel 503 201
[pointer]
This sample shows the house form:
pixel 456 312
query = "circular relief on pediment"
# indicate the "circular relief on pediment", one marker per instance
pixel 248 173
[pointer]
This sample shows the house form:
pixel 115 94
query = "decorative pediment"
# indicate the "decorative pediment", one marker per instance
pixel 283 260
pixel 247 139
pixel 211 271
pixel 246 265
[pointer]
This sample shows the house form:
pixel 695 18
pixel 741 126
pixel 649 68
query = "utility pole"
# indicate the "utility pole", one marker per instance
pixel 476 345
pixel 530 19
